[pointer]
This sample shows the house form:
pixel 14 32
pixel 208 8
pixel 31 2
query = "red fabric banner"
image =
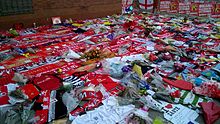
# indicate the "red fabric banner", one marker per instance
pixel 174 7
pixel 216 11
pixel 194 9
pixel 164 5
pixel 205 9
pixel 184 7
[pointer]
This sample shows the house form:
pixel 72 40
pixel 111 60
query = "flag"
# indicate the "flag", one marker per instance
pixel 146 4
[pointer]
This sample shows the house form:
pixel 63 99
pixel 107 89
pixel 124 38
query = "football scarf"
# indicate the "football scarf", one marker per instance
pixel 189 98
pixel 72 80
pixel 47 82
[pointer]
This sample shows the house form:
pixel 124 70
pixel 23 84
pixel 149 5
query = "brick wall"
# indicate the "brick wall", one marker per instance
pixel 75 9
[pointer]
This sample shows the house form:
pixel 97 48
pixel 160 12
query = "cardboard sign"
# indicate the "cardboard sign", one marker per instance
pixel 194 9
pixel 184 7
pixel 178 114
pixel 205 9
pixel 164 5
pixel 174 7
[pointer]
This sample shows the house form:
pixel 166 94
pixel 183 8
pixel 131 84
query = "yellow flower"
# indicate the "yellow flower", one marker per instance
pixel 107 23
pixel 77 24
pixel 26 55
pixel 179 77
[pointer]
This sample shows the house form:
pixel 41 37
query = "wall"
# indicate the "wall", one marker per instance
pixel 75 9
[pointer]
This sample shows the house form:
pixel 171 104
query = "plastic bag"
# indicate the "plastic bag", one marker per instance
pixel 114 68
pixel 211 112
pixel 19 78
pixel 210 89
pixel 71 55
pixel 70 102
pixel 151 103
